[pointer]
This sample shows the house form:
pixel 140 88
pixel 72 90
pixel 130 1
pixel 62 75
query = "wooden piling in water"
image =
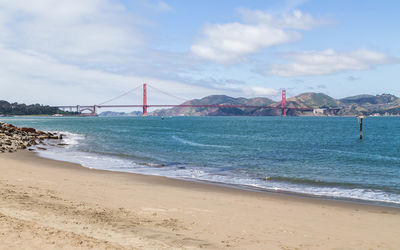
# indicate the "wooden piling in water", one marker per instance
pixel 360 119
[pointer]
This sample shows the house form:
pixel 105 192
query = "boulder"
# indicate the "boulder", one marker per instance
pixel 29 130
pixel 13 138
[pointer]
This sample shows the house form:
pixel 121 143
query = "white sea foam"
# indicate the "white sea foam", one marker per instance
pixel 364 155
pixel 195 144
pixel 105 162
pixel 71 138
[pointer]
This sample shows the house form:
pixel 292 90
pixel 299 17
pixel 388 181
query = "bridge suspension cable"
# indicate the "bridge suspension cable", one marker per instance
pixel 168 94
pixel 120 96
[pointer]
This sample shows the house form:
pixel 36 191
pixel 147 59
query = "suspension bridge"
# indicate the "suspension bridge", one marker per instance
pixel 92 109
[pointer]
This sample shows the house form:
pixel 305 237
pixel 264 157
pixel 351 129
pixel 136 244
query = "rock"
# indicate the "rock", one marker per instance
pixel 13 138
pixel 29 130
pixel 41 137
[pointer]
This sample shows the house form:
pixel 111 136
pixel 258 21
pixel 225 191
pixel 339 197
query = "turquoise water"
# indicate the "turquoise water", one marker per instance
pixel 320 156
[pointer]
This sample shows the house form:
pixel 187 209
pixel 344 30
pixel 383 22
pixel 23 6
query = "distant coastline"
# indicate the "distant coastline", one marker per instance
pixel 318 104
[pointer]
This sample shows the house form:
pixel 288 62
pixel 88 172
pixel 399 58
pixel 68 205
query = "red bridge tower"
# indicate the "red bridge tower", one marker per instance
pixel 144 99
pixel 284 102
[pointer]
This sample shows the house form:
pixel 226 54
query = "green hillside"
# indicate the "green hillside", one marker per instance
pixel 215 99
pixel 313 100
pixel 7 108
pixel 354 105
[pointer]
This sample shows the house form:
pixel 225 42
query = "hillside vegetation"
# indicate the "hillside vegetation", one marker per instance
pixel 216 99
pixel 7 108
pixel 384 104
pixel 354 105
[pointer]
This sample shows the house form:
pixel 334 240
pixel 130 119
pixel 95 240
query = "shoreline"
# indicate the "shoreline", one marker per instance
pixel 61 204
pixel 245 187
pixel 229 188
pixel 224 183
pixel 286 193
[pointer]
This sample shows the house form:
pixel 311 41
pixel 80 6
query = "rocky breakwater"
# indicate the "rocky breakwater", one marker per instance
pixel 13 138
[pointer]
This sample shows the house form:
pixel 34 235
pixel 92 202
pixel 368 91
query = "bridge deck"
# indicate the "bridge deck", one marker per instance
pixel 183 106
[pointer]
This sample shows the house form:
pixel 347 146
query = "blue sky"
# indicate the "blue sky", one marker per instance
pixel 87 51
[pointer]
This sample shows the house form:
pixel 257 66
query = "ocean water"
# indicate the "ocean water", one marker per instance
pixel 317 156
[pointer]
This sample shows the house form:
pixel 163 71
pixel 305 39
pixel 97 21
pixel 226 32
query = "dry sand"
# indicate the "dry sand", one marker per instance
pixel 46 204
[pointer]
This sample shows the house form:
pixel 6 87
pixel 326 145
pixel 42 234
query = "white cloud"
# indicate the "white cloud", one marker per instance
pixel 293 4
pixel 57 52
pixel 329 62
pixel 159 6
pixel 294 20
pixel 261 91
pixel 39 76
pixel 232 42
pixel 162 6
pixel 238 88
pixel 72 30
pixel 227 43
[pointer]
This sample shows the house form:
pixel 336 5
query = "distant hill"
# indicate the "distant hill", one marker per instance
pixel 310 100
pixel 354 105
pixel 370 99
pixel 384 104
pixel 215 99
pixel 370 104
pixel 313 100
pixel 7 108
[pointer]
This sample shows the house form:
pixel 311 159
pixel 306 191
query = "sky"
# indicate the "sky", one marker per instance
pixel 89 51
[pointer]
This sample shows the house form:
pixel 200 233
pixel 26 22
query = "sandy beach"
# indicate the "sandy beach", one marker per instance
pixel 46 204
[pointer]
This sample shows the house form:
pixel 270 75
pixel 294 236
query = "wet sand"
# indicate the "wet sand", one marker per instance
pixel 47 204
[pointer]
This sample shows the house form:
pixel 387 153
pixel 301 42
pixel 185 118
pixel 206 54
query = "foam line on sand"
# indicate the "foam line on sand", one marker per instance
pixel 47 204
